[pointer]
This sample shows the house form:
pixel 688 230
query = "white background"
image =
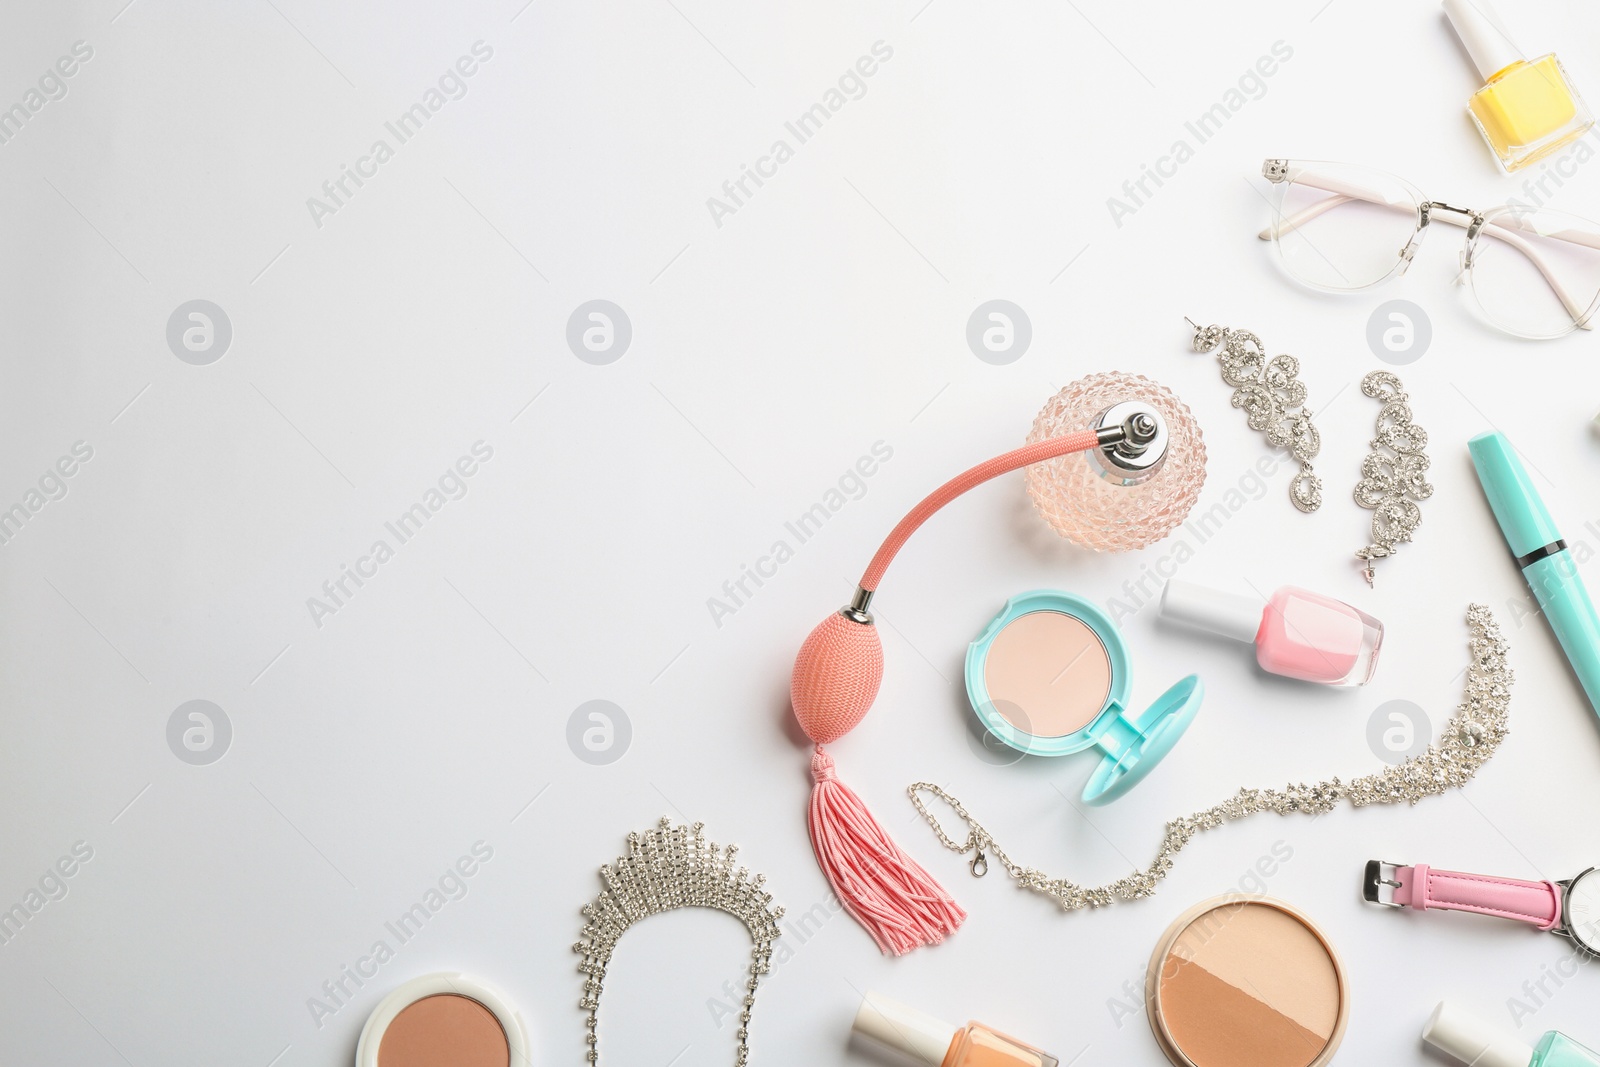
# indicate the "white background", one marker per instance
pixel 768 353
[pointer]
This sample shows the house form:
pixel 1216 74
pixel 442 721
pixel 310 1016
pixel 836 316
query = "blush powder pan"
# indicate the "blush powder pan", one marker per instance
pixel 1246 982
pixel 443 1020
pixel 1050 676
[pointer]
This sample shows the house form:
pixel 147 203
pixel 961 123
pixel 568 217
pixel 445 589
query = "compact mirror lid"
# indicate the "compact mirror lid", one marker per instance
pixel 1134 747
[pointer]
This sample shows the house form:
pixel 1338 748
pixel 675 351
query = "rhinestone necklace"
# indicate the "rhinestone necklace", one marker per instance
pixel 1469 739
pixel 666 868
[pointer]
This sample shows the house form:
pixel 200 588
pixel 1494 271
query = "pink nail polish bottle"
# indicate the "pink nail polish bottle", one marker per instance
pixel 1297 633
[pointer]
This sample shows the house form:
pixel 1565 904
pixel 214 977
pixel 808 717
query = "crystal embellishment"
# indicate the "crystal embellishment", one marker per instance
pixel 667 868
pixel 1393 475
pixel 1273 399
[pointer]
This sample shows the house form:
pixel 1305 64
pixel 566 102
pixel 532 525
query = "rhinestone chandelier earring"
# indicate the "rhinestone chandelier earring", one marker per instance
pixel 1273 399
pixel 666 868
pixel 1394 474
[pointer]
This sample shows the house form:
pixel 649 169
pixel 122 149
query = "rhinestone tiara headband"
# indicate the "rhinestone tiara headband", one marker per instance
pixel 667 868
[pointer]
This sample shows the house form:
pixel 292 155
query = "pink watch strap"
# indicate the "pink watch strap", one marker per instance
pixel 1423 887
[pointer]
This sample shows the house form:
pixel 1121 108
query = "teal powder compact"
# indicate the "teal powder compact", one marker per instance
pixel 1050 676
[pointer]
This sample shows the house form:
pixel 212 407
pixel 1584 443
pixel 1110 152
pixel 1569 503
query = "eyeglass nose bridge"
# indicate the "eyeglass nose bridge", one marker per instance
pixel 1440 205
pixel 1424 216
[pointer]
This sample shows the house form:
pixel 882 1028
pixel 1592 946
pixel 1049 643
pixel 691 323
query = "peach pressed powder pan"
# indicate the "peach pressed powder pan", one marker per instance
pixel 443 1020
pixel 1048 673
pixel 1246 982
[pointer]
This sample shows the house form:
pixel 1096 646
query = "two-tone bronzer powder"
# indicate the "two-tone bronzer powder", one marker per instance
pixel 1246 982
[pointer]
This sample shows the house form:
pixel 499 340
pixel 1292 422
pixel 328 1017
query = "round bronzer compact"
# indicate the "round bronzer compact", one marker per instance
pixel 443 1020
pixel 1050 676
pixel 1246 982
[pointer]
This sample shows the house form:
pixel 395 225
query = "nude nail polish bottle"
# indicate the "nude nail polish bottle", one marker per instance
pixel 932 1043
pixel 1297 633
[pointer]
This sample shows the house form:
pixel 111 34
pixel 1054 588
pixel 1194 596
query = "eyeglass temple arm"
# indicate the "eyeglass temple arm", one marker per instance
pixel 1580 314
pixel 1345 192
pixel 1501 228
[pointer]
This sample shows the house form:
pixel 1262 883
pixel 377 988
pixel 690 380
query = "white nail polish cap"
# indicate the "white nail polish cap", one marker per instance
pixel 1485 38
pixel 1457 1032
pixel 904 1029
pixel 1228 614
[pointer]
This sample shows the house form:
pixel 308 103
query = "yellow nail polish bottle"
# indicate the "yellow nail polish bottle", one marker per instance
pixel 1527 108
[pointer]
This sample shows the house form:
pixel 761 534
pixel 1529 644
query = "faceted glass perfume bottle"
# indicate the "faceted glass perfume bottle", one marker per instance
pixel 1076 497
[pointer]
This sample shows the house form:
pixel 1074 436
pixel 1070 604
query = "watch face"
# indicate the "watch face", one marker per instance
pixel 1582 909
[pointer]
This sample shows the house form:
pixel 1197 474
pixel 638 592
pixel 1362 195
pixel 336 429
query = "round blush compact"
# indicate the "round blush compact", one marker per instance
pixel 1050 676
pixel 1246 982
pixel 443 1020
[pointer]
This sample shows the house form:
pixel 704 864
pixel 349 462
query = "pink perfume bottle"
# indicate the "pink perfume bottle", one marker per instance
pixel 1085 500
pixel 1297 633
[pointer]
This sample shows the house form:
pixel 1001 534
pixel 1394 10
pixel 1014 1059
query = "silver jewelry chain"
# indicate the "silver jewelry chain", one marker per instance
pixel 1467 742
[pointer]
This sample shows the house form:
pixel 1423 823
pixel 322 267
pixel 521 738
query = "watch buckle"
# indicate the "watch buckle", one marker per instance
pixel 1373 883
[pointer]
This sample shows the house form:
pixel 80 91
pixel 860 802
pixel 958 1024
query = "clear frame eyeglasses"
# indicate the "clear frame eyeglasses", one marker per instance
pixel 1533 272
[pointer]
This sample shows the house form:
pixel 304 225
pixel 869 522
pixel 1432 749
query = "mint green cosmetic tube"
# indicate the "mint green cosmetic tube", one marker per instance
pixel 1546 563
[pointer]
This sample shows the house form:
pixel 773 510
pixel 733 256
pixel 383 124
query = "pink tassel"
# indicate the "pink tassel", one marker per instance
pixel 887 891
